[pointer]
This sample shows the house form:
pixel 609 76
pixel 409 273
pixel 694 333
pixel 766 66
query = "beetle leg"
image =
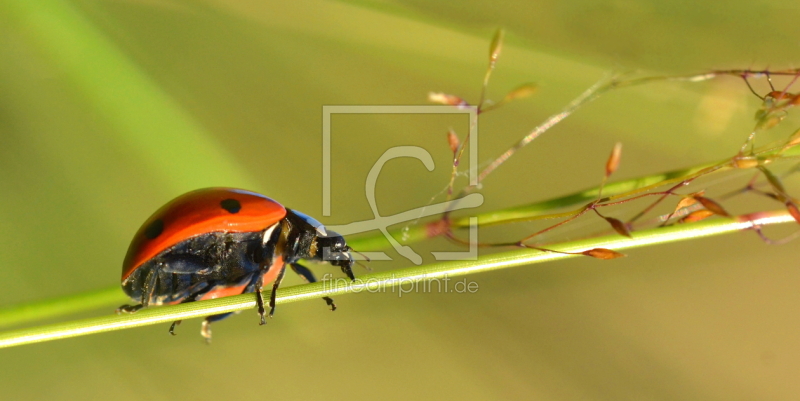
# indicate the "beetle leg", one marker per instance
pixel 149 287
pixel 308 277
pixel 259 287
pixel 205 329
pixel 195 292
pixel 184 264
pixel 147 292
pixel 256 284
pixel 259 282
pixel 275 286
pixel 128 308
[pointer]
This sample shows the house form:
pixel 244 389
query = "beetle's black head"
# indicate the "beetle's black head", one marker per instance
pixel 333 249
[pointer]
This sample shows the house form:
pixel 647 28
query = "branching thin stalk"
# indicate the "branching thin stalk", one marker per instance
pixel 383 280
pixel 19 314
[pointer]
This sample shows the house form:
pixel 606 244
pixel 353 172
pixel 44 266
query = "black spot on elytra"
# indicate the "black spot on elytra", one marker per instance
pixel 231 205
pixel 154 229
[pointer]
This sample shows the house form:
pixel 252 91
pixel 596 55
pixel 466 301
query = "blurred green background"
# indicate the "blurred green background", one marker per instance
pixel 110 108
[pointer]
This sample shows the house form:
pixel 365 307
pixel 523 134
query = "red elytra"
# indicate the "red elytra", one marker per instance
pixel 199 212
pixel 217 242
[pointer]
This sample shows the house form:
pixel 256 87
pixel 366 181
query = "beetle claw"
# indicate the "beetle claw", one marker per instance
pixel 205 331
pixel 173 326
pixel 330 303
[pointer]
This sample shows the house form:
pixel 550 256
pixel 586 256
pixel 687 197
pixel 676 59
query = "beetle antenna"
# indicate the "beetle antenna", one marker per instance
pixel 367 268
pixel 362 255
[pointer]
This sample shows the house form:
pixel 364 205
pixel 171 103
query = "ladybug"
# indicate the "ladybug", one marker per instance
pixel 217 242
